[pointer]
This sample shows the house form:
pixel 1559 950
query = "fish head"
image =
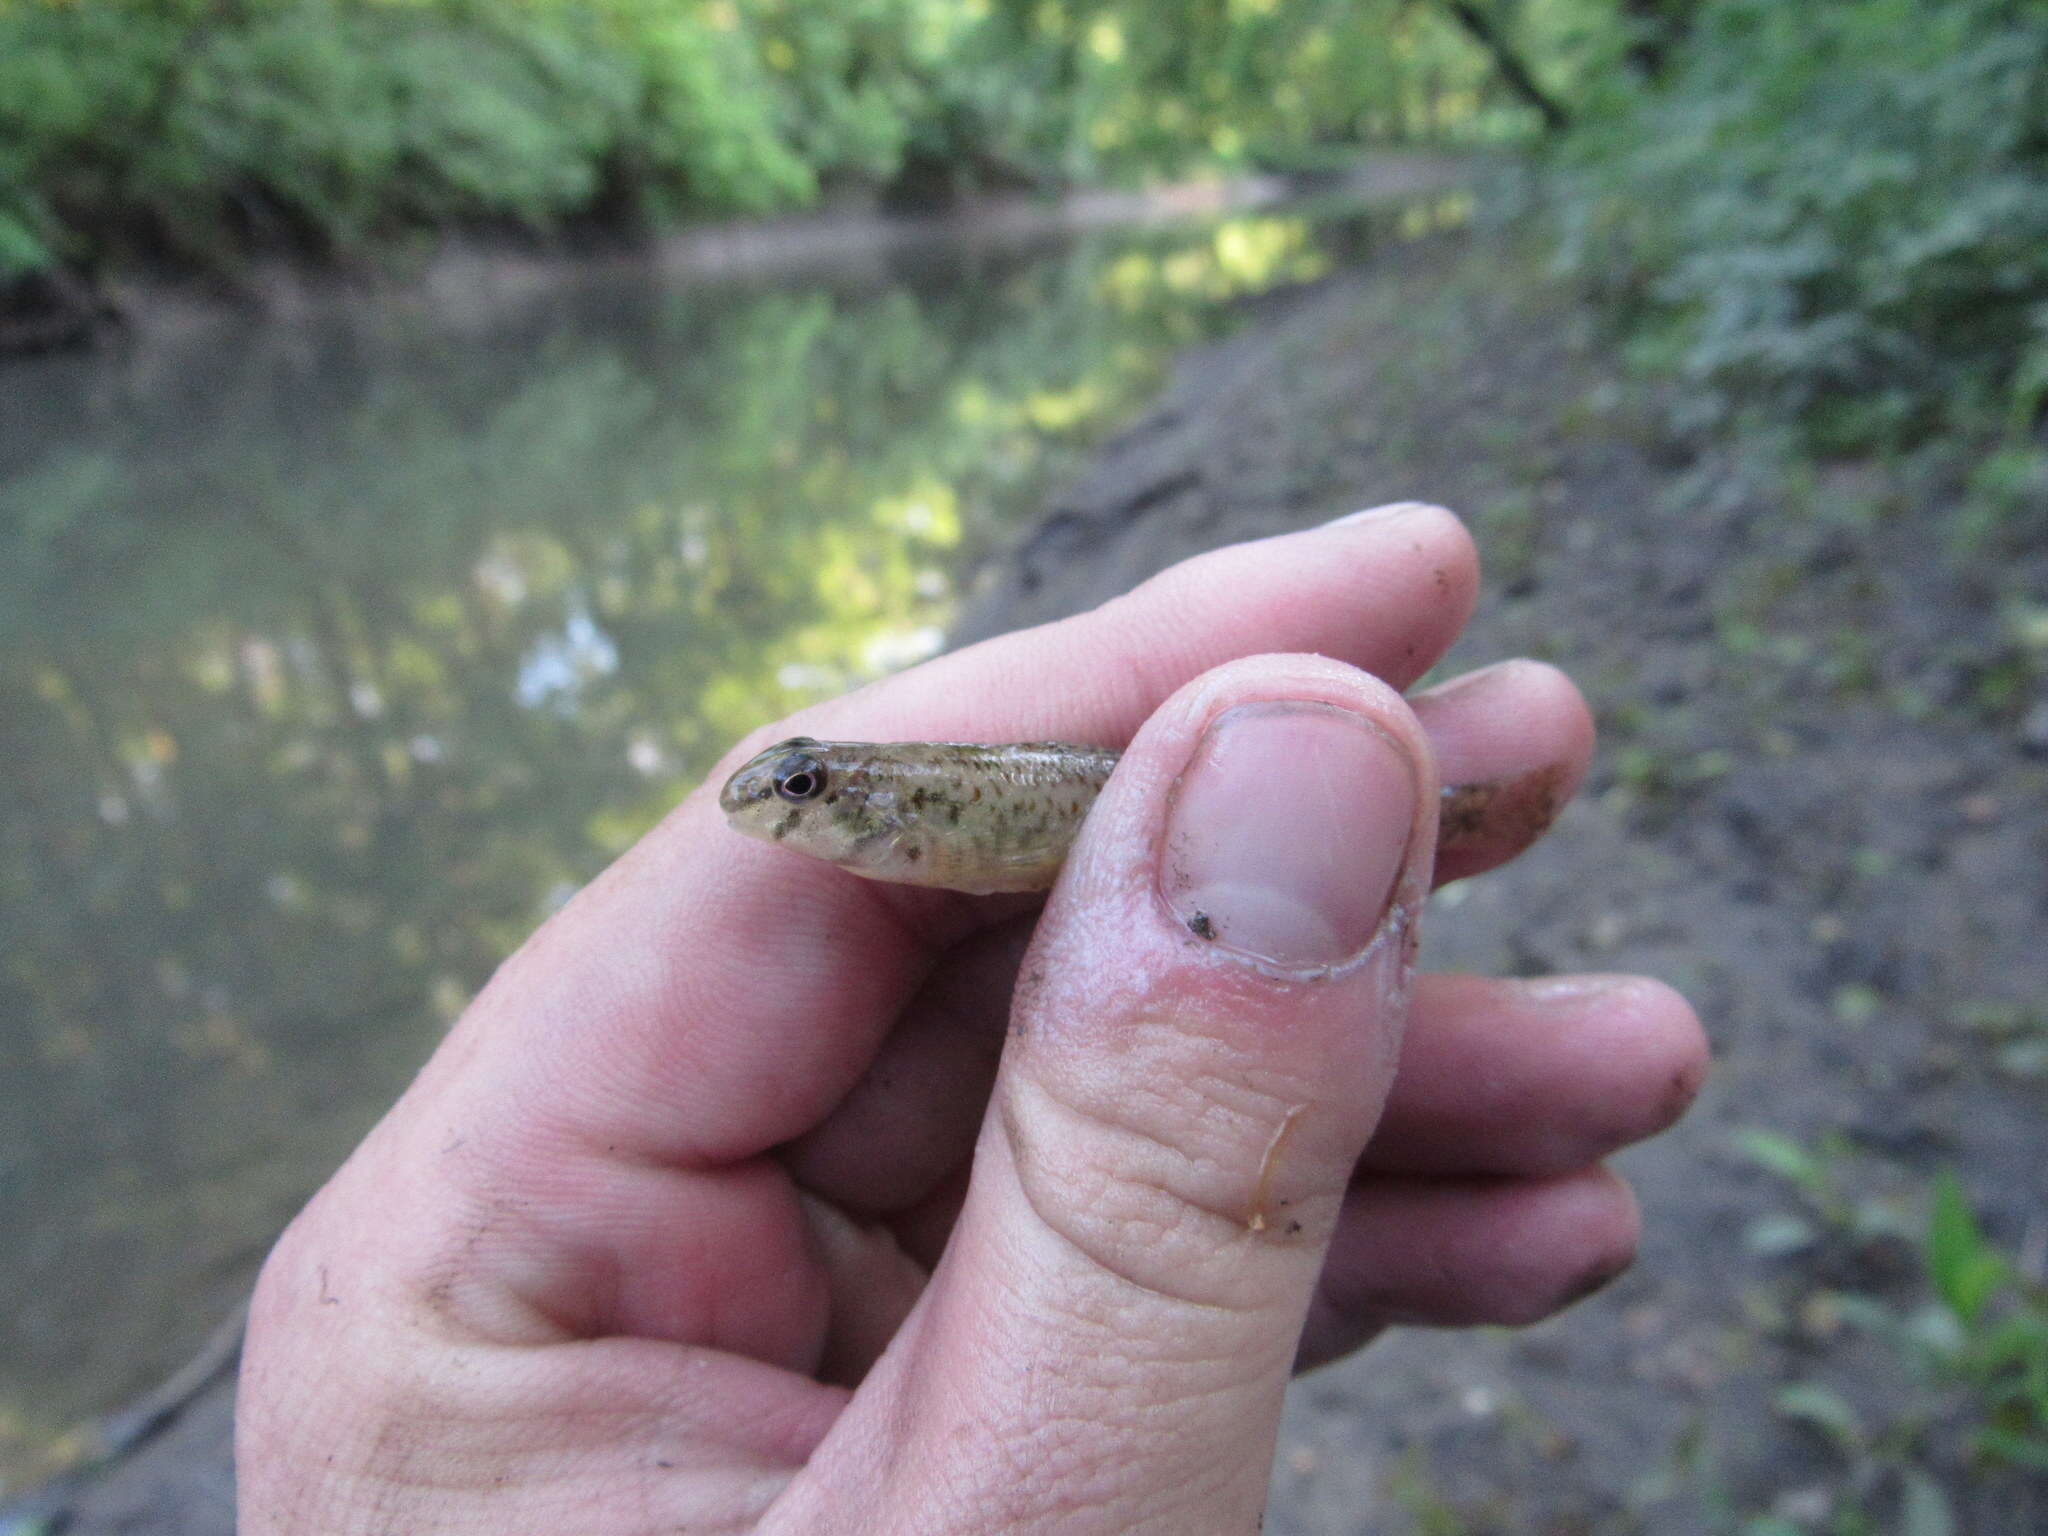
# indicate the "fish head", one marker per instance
pixel 802 795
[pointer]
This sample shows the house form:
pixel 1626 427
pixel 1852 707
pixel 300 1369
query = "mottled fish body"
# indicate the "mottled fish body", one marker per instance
pixel 962 816
pixel 968 816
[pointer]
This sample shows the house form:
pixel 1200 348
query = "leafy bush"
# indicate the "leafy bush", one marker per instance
pixel 200 130
pixel 203 129
pixel 1840 211
pixel 1991 1333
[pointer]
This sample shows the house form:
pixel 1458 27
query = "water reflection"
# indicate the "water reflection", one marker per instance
pixel 333 661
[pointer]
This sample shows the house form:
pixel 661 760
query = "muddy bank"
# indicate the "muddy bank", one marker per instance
pixel 1819 810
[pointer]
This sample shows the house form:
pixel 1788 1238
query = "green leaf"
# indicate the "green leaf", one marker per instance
pixel 1779 1154
pixel 20 249
pixel 1814 1403
pixel 2029 1451
pixel 1965 1269
pixel 2017 1341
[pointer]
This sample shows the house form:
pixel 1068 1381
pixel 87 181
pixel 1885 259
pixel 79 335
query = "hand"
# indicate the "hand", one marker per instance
pixel 677 1230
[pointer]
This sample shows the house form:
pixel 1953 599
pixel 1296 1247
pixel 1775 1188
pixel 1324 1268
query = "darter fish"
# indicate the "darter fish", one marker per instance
pixel 966 816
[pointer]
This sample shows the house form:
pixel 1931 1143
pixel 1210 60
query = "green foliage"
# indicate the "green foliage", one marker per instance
pixel 1823 1409
pixel 1832 1211
pixel 1837 212
pixel 1976 1338
pixel 200 130
pixel 1965 1270
pixel 204 129
pixel 1992 1334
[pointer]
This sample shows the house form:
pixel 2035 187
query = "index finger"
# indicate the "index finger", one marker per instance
pixel 1386 590
pixel 709 997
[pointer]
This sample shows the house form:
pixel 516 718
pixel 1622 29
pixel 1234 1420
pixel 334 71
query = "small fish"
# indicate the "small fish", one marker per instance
pixel 942 813
pixel 963 816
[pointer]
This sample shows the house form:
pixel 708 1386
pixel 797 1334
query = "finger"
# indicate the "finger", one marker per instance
pixel 1207 1025
pixel 1504 1077
pixel 1453 1253
pixel 1534 1078
pixel 1386 590
pixel 910 1122
pixel 1521 731
pixel 1518 722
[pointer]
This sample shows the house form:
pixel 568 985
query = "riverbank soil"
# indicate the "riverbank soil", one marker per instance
pixel 1820 809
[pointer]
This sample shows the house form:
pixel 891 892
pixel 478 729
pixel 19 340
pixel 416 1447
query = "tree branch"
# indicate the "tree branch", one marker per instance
pixel 1514 73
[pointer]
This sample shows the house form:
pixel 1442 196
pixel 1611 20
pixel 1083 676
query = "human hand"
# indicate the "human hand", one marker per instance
pixel 677 1230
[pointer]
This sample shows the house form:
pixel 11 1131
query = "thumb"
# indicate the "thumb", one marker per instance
pixel 1204 1033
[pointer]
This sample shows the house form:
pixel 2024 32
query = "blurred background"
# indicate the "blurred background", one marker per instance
pixel 431 431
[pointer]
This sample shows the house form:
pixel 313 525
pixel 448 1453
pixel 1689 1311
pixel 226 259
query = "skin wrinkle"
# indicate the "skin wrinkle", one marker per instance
pixel 1038 1486
pixel 1161 1080
pixel 1022 1159
pixel 1219 1100
pixel 571 1275
pixel 1067 1450
pixel 1209 1376
pixel 1093 1484
pixel 407 1412
pixel 439 1287
pixel 1043 1209
pixel 1214 1231
pixel 1093 1376
pixel 897 1449
pixel 1229 1074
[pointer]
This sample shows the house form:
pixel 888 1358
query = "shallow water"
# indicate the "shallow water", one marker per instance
pixel 336 656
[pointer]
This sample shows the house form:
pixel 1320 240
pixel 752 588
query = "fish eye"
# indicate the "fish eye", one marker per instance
pixel 799 777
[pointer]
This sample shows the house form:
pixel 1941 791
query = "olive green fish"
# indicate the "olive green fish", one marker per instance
pixel 964 816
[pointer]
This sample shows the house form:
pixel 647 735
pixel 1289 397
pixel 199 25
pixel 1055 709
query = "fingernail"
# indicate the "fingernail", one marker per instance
pixel 1478 681
pixel 1287 832
pixel 1392 511
pixel 1584 987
